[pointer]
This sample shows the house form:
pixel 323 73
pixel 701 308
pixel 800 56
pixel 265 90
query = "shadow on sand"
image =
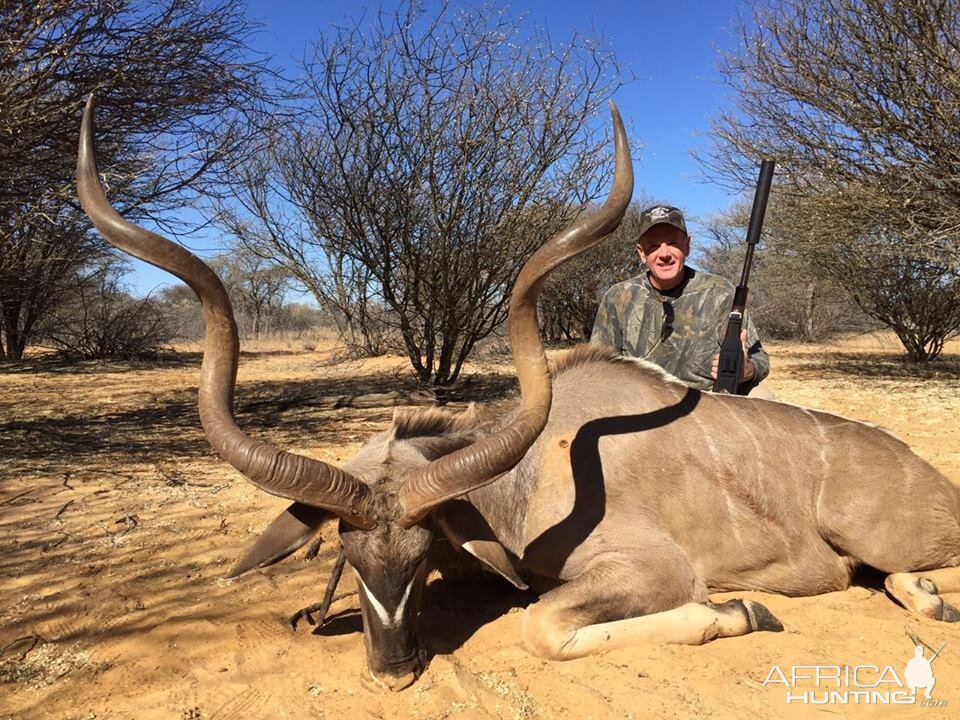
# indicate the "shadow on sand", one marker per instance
pixel 168 428
pixel 875 366
pixel 450 614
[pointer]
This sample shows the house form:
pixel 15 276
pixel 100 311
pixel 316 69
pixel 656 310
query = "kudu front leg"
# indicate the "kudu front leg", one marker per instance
pixel 614 605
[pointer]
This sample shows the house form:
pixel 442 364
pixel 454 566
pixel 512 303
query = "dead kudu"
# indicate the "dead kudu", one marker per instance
pixel 610 478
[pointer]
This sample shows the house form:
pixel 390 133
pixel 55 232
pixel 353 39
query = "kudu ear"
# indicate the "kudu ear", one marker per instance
pixel 287 533
pixel 466 529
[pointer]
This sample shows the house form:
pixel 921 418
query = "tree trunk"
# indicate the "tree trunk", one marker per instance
pixel 808 297
pixel 15 338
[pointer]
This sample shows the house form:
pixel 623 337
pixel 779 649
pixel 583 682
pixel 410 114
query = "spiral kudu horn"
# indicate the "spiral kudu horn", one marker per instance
pixel 277 472
pixel 480 463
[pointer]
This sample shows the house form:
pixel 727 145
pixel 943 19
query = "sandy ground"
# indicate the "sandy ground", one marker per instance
pixel 117 523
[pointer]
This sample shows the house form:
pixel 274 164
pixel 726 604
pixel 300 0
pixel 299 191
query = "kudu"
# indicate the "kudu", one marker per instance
pixel 638 494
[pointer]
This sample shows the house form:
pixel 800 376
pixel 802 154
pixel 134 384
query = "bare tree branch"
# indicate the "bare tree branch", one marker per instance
pixel 858 101
pixel 423 148
pixel 179 93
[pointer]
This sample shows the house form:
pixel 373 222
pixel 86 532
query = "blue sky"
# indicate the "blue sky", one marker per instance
pixel 671 48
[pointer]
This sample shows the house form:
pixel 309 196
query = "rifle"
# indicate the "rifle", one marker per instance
pixel 731 350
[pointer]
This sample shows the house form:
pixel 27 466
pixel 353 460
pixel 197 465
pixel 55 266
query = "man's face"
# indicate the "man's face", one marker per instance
pixel 664 248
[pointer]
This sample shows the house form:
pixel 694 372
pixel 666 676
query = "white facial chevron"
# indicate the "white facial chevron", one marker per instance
pixel 386 618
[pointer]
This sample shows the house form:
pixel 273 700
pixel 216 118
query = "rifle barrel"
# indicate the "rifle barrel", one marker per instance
pixel 756 215
pixel 730 361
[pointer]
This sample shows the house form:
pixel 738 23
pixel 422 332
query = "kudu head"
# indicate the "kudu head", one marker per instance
pixel 384 495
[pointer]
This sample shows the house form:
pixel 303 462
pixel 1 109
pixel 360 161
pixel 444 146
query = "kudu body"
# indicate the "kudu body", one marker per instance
pixel 611 477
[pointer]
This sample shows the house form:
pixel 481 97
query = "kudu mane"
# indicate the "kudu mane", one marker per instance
pixel 437 423
pixel 438 431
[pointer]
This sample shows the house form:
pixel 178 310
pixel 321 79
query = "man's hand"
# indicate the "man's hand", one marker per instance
pixel 747 370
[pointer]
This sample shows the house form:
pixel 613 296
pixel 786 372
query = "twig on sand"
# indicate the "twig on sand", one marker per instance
pixel 323 607
pixel 9 501
pixel 55 543
pixel 63 509
pixel 307 612
pixel 917 640
pixel 314 549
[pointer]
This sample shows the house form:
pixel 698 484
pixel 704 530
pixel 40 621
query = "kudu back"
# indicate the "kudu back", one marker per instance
pixel 638 494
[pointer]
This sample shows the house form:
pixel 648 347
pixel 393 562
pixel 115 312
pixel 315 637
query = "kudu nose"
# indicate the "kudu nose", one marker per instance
pixel 399 675
pixel 397 683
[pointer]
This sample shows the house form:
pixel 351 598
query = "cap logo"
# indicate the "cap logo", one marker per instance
pixel 659 213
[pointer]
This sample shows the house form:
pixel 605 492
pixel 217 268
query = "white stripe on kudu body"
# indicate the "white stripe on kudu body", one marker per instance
pixel 386 618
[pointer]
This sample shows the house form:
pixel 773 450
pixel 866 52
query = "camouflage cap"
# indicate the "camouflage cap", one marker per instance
pixel 660 215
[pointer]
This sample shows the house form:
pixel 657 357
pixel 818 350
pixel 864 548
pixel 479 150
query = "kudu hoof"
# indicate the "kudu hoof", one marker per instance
pixel 761 618
pixel 948 613
pixel 757 616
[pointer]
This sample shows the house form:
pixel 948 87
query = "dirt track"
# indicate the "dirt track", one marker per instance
pixel 117 521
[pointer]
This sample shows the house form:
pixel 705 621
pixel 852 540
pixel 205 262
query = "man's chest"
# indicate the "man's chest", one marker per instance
pixel 681 324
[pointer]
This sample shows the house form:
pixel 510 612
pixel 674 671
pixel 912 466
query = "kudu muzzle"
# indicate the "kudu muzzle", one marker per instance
pixel 395 658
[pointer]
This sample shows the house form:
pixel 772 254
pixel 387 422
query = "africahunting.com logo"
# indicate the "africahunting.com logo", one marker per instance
pixel 861 684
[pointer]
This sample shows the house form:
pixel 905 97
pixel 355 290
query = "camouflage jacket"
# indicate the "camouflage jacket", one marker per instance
pixel 680 331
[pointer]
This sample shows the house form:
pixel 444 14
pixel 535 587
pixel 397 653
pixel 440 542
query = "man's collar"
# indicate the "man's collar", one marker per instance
pixel 673 293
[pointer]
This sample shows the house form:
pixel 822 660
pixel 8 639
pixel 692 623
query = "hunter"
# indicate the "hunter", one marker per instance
pixel 672 315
